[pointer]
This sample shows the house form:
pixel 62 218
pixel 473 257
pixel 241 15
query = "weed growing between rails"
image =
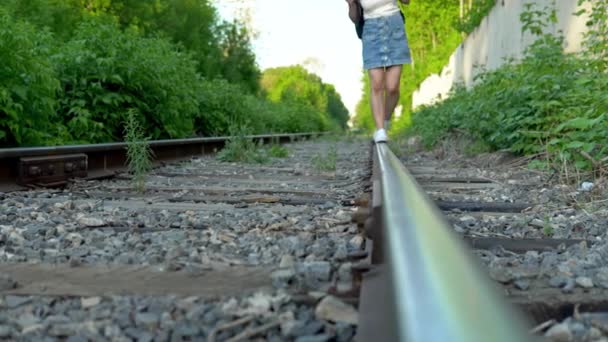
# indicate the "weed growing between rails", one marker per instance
pixel 240 148
pixel 139 154
pixel 326 161
pixel 276 150
pixel 548 229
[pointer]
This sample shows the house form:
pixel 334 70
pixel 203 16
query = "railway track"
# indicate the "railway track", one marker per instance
pixel 289 250
pixel 541 241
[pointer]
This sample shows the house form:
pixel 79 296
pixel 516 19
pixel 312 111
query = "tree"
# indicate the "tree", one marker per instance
pixel 28 84
pixel 221 50
pixel 296 84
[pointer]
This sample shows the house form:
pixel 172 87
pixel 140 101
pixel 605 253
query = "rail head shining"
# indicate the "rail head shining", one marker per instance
pixel 439 292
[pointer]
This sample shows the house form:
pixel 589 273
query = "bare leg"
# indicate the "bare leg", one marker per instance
pixel 377 82
pixel 393 78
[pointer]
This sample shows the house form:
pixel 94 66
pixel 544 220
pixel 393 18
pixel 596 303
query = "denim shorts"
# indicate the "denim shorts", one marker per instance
pixel 385 42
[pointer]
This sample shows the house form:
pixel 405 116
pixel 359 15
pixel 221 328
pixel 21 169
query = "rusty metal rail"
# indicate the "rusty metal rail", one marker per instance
pixel 48 166
pixel 424 285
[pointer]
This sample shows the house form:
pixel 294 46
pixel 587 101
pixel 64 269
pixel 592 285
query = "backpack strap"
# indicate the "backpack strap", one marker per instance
pixel 360 21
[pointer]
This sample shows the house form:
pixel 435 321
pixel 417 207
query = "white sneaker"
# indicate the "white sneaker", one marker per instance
pixel 380 136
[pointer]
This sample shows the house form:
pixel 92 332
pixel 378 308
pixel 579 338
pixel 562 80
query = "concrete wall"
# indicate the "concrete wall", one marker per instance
pixel 499 36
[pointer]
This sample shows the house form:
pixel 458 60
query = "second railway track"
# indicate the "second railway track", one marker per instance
pixel 210 251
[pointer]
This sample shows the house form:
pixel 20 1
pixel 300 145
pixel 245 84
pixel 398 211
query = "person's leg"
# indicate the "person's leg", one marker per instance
pixel 377 84
pixel 393 78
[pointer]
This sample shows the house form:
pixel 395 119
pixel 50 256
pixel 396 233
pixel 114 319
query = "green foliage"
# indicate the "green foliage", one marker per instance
pixel 296 115
pixel 550 102
pixel 326 161
pixel 476 147
pixel 27 85
pixel 596 38
pixel 240 148
pixel 220 49
pixel 473 16
pixel 432 38
pixel 536 20
pixel 223 104
pixel 58 16
pixel 548 229
pixel 277 151
pixel 220 107
pixel 238 64
pixel 363 119
pixel 105 72
pixel 71 70
pixel 139 154
pixel 296 85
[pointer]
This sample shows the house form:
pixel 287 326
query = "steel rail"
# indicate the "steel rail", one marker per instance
pixel 52 165
pixel 53 150
pixel 434 290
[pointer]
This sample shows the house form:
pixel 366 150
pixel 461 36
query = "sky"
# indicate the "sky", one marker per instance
pixel 291 32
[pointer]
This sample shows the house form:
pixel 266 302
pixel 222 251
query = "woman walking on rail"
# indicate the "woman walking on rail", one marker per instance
pixel 380 25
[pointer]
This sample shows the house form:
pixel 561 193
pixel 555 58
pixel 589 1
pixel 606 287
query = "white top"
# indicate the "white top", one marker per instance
pixel 378 8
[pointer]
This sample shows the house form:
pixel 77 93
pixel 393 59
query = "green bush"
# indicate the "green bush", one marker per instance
pixel 222 105
pixel 474 15
pixel 297 117
pixel 70 71
pixel 105 72
pixel 220 49
pixel 277 151
pixel 550 102
pixel 297 86
pixel 28 85
pixel 59 16
pixel 238 63
pixel 240 148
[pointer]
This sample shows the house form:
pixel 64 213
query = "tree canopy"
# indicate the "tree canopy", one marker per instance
pixel 71 70
pixel 221 49
pixel 296 84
